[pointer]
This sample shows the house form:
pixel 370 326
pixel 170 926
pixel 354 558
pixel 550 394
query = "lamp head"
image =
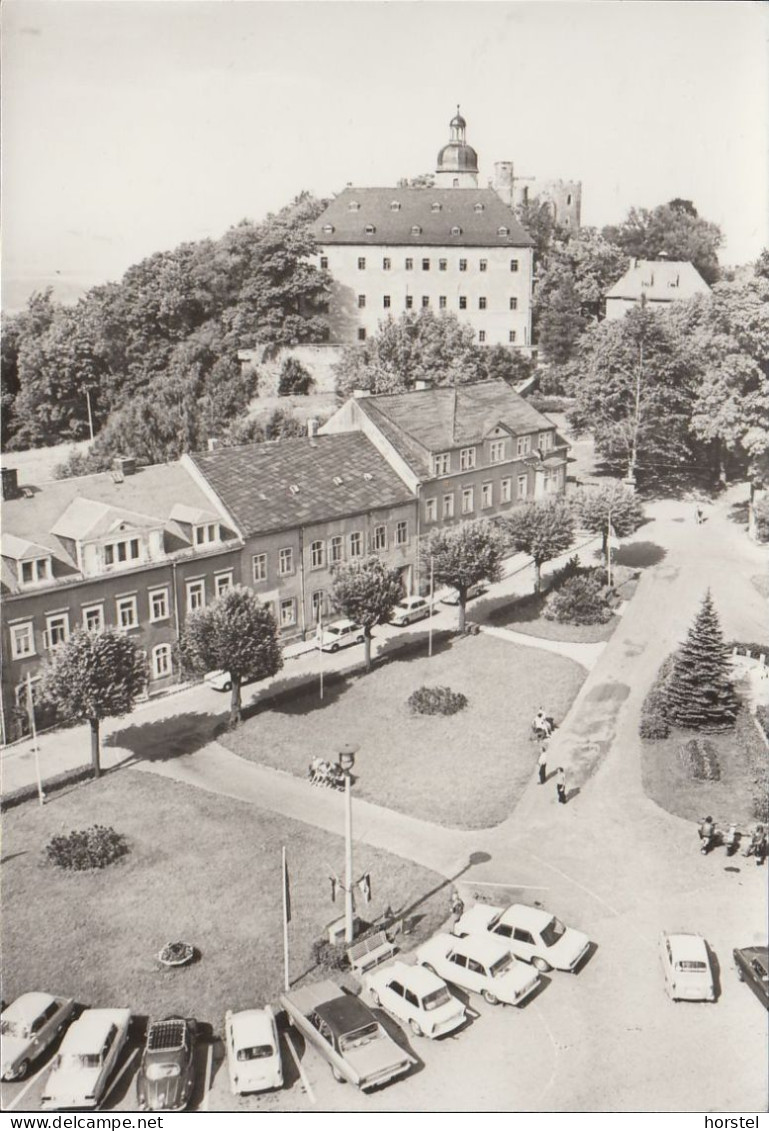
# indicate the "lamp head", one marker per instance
pixel 347 757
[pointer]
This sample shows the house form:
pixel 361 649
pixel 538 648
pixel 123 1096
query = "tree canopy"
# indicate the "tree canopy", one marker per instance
pixel 699 693
pixel 366 591
pixel 611 504
pixel 675 230
pixel 462 556
pixel 543 529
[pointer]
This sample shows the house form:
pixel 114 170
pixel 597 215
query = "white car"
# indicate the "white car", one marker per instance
pixel 473 591
pixel 87 1056
pixel 253 1050
pixel 530 933
pixel 417 996
pixel 27 1028
pixel 479 963
pixel 410 609
pixel 686 967
pixel 338 635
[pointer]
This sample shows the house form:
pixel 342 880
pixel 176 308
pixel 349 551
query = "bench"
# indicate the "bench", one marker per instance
pixel 369 952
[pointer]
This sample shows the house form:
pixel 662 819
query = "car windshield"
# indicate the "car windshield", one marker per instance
pixel 162 1071
pixel 87 1060
pixel 359 1037
pixel 691 967
pixel 14 1029
pixel 501 966
pixel 436 998
pixel 553 932
pixel 256 1052
pixel 334 631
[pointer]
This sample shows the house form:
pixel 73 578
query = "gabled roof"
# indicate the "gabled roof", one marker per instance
pixel 660 280
pixel 87 518
pixel 478 213
pixel 290 483
pixel 193 516
pixel 20 549
pixel 421 423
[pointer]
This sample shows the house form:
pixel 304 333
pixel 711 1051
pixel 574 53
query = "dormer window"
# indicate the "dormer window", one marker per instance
pixel 206 533
pixel 395 206
pixel 328 229
pixel 126 550
pixel 353 206
pixel 479 207
pixel 456 230
pixel 370 229
pixel 503 231
pixel 436 206
pixel 35 571
pixel 294 489
pixel 416 230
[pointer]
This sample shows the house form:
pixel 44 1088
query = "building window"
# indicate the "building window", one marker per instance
pixel 546 441
pixel 503 231
pixel 353 206
pixel 361 333
pixel 442 302
pixel 431 510
pixel 370 229
pixel 222 582
pixel 386 302
pixel 162 664
pixel 324 263
pixel 285 561
pixel 35 571
pixel 328 229
pixel 386 264
pixel 361 301
pixel 206 534
pixel 416 230
pixel 425 264
pixel 401 533
pixel 443 264
pixel 335 549
pixel 482 303
pixel 57 629
pixel 196 595
pixel 436 206
pixel 506 490
pixel 356 544
pixel 523 485
pixel 425 301
pixel 127 551
pixel 463 265
pixel 395 206
pixel 483 265
pixel 455 184
pixel 513 303
pixel 497 451
pixel 158 604
pixel 317 555
pixel 288 612
pixel 259 567
pixel 448 506
pixel 523 445
pixel 93 618
pixel 441 463
pixel 380 537
pixel 409 264
pixel 568 199
pixel 481 336
pixel 361 263
pixel 513 264
pixel 511 335
pixel 486 495
pixel 462 302
pixel 318 605
pixel 22 640
pixel 467 459
pixel 468 504
pixel 409 302
pixel 127 614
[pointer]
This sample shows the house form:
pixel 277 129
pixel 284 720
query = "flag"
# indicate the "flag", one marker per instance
pixel 364 885
pixel 286 890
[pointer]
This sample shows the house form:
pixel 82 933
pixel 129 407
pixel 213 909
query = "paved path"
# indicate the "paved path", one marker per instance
pixel 584 654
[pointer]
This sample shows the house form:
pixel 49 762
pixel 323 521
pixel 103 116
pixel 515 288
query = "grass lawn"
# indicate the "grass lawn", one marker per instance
pixel 466 770
pixel 202 869
pixel 742 757
pixel 524 615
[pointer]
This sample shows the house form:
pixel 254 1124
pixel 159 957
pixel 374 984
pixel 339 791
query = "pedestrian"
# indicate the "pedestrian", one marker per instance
pixel 542 762
pixel 560 785
pixel 698 515
pixel 541 724
pixel 456 905
pixel 756 840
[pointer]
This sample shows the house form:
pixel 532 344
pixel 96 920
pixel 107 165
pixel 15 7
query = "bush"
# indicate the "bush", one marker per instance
pixel 550 404
pixel 761 806
pixel 761 516
pixel 579 600
pixel 294 379
pixel 762 715
pixel 86 849
pixel 654 723
pixel 330 956
pixel 436 701
pixel 572 568
pixel 701 760
pixel 749 648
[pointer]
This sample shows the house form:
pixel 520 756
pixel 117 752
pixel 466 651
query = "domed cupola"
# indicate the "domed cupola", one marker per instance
pixel 457 161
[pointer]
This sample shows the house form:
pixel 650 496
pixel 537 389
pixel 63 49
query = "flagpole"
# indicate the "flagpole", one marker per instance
pixel 320 643
pixel 432 599
pixel 35 748
pixel 287 984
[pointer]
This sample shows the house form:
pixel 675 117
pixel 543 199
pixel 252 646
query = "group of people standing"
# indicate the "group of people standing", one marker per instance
pixel 710 837
pixel 542 726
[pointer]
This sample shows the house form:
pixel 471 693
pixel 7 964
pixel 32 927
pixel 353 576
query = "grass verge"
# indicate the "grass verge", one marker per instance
pixel 524 615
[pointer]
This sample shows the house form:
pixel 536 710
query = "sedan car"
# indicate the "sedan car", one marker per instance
pixel 530 933
pixel 752 966
pixel 338 635
pixel 167 1071
pixel 88 1054
pixel 687 969
pixel 473 591
pixel 253 1050
pixel 417 996
pixel 409 610
pixel 480 963
pixel 28 1027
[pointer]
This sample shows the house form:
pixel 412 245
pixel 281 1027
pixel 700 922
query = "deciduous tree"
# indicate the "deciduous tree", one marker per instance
pixel 464 555
pixel 673 229
pixel 366 591
pixel 543 529
pixel 613 504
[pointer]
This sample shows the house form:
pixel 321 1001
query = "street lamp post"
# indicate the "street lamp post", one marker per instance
pixel 346 763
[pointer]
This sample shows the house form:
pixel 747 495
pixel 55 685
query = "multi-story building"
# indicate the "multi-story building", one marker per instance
pixel 656 283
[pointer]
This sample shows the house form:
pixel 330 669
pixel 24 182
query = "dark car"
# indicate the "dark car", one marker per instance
pixel 752 965
pixel 167 1072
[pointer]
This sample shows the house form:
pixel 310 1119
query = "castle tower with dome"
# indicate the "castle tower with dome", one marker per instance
pixel 457 162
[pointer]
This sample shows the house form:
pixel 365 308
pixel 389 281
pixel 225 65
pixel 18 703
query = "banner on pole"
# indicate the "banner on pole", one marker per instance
pixel 364 885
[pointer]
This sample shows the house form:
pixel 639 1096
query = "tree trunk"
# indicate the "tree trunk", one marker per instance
pixel 462 608
pixel 95 761
pixel 367 647
pixel 235 703
pixel 537 576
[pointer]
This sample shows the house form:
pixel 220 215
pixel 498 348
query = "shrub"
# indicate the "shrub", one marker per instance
pixel 761 516
pixel 762 715
pixel 579 600
pixel 570 569
pixel 544 403
pixel 86 849
pixel 436 701
pixel 294 379
pixel 330 956
pixel 749 648
pixel 654 723
pixel 761 806
pixel 701 760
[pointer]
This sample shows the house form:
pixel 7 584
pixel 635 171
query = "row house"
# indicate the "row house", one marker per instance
pixel 304 506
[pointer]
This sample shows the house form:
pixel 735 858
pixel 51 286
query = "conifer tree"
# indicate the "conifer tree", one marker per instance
pixel 700 694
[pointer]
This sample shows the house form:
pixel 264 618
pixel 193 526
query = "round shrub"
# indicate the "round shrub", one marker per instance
pixel 83 850
pixel 436 701
pixel 580 600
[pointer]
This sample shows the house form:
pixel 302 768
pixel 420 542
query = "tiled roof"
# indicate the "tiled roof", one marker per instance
pixel 459 208
pixel 294 482
pixel 660 280
pixel 435 420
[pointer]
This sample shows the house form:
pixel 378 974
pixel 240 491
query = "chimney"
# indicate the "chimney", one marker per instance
pixel 10 478
pixel 214 442
pixel 125 464
pixel 359 394
pixel 422 383
pixel 312 427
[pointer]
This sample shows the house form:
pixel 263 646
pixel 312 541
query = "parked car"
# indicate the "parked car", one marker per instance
pixel 417 996
pixel 166 1074
pixel 480 963
pixel 474 591
pixel 219 680
pixel 530 933
pixel 410 609
pixel 686 966
pixel 752 966
pixel 338 635
pixel 86 1058
pixel 28 1027
pixel 253 1050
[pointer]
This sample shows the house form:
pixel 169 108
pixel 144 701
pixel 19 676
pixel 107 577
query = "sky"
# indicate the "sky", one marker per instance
pixel 130 126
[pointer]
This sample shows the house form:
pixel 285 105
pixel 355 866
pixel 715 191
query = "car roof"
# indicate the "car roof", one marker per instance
pixel 416 978
pixel 487 948
pixel 166 1035
pixel 88 1033
pixel 337 625
pixel 686 946
pixel 345 1013
pixel 527 916
pixel 27 1006
pixel 252 1027
pixel 414 599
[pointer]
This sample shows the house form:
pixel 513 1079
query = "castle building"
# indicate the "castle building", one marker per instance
pixel 563 198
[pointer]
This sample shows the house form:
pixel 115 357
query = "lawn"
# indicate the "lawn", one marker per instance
pixel 742 758
pixel 202 869
pixel 524 615
pixel 466 771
